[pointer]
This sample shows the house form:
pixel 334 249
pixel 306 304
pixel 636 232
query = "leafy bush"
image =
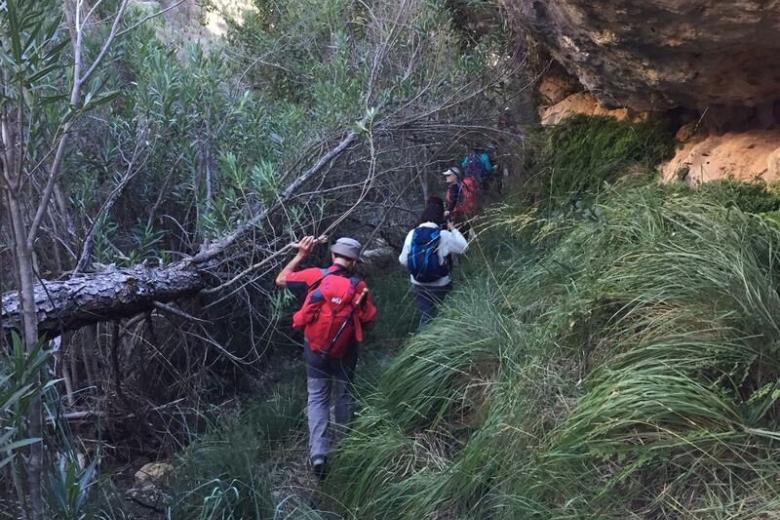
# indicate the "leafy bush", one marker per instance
pixel 20 385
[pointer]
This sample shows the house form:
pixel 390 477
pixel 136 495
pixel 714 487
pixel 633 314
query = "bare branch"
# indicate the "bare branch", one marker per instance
pixel 209 251
pixel 131 171
pixel 106 45
pixel 75 101
pixel 149 17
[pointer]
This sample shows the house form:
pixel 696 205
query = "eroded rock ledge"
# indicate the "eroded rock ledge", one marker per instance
pixel 659 54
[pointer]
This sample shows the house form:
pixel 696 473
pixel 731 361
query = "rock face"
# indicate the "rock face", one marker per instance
pixel 660 54
pixel 580 103
pixel 554 88
pixel 747 156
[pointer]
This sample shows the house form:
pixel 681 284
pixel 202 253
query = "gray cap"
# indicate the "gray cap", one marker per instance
pixel 348 247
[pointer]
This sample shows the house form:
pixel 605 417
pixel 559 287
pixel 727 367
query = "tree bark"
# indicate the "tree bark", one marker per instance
pixel 95 297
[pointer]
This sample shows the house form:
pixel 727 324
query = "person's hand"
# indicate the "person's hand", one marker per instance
pixel 361 298
pixel 306 246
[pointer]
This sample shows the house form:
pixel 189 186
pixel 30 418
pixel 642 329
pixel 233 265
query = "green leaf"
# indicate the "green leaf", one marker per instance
pixel 14 30
pixel 41 74
pixel 20 444
pixel 48 100
pixel 55 52
pixel 92 102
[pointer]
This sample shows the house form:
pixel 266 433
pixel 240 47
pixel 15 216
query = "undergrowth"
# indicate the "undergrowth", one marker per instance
pixel 228 473
pixel 611 357
pixel 615 360
pixel 252 464
pixel 628 368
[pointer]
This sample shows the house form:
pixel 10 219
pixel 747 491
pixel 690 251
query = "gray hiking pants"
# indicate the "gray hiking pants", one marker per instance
pixel 328 382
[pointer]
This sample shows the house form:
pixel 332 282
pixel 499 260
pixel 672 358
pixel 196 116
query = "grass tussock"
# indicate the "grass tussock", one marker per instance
pixel 619 360
pixel 577 157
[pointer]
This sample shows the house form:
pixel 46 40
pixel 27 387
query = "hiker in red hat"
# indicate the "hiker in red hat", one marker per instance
pixel 336 306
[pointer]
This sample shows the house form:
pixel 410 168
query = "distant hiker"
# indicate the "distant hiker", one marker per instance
pixel 427 253
pixel 335 308
pixel 479 165
pixel 506 121
pixel 461 199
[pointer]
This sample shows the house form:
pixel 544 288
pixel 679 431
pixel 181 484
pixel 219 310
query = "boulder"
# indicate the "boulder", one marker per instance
pixel 748 156
pixel 658 54
pixel 686 132
pixel 379 255
pixel 150 487
pixel 153 474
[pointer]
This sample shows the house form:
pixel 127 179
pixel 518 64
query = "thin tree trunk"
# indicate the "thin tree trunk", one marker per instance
pixel 73 360
pixel 63 357
pixel 116 342
pixel 66 377
pixel 16 467
pixel 29 328
pixel 89 340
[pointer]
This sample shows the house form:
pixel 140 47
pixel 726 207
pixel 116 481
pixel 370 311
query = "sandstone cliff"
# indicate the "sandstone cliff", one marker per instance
pixel 659 54
pixel 718 61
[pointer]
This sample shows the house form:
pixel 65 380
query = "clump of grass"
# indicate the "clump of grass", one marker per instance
pixel 753 197
pixel 580 155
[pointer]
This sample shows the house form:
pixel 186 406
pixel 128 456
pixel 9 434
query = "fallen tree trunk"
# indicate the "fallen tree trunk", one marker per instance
pixel 85 298
pixel 93 297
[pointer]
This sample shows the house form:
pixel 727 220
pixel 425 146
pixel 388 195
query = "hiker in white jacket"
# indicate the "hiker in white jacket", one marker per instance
pixel 427 253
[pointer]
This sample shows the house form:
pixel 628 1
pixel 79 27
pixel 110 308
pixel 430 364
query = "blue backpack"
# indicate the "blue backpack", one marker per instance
pixel 472 166
pixel 423 261
pixel 478 165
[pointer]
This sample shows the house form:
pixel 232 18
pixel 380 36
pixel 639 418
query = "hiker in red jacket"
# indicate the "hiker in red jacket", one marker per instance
pixel 460 202
pixel 335 308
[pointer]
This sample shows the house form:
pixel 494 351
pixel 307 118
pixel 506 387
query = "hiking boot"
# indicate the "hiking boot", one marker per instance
pixel 318 467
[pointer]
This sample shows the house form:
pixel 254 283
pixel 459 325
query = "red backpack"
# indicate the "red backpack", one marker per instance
pixel 327 315
pixel 467 199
